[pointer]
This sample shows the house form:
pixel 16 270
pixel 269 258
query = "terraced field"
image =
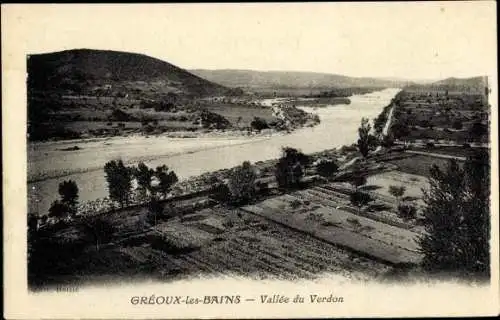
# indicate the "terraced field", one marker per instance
pixel 322 213
pixel 222 242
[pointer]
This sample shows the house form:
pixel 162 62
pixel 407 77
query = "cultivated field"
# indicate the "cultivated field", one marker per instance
pixel 324 213
pixel 208 242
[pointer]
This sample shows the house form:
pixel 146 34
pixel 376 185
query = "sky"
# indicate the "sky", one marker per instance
pixel 418 40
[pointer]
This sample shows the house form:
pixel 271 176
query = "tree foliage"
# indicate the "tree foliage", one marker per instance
pixel 457 217
pixel 360 198
pixel 68 190
pixel 366 140
pixel 59 210
pixel 241 184
pixel 327 168
pixel 67 205
pixel 119 178
pixel 166 179
pixel 291 168
pixel 259 124
pixel 144 175
pixel 397 191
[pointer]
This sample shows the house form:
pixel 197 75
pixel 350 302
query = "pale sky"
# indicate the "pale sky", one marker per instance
pixel 406 40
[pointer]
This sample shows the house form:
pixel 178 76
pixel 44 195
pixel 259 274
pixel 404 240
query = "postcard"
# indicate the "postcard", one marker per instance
pixel 250 160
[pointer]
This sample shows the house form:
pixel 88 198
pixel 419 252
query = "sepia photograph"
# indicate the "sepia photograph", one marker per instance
pixel 291 143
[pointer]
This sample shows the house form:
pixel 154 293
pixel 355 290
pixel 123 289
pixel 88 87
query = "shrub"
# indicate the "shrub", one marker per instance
pixel 360 199
pixel 259 124
pixel 407 211
pixel 294 204
pixel 396 191
pixel 326 168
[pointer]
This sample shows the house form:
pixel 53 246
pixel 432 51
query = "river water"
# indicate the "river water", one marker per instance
pixel 190 156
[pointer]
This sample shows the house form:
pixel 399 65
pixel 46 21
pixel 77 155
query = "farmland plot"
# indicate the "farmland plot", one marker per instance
pixel 366 236
pixel 239 244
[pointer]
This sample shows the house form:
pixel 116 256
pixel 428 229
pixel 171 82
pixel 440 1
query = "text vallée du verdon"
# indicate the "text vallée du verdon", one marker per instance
pixel 235 299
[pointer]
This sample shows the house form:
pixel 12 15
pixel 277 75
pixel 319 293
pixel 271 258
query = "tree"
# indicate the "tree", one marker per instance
pixel 119 178
pixel 360 199
pixel 241 184
pixel 397 192
pixel 364 140
pixel 220 191
pixel 166 179
pixel 59 210
pixel 143 174
pixel 68 190
pixel 99 228
pixel 155 210
pixel 327 168
pixel 457 217
pixel 291 168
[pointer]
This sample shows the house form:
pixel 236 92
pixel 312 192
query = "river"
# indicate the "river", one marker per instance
pixel 49 165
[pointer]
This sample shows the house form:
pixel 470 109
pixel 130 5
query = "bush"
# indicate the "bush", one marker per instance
pixel 294 204
pixel 360 199
pixel 326 168
pixel 259 124
pixel 407 211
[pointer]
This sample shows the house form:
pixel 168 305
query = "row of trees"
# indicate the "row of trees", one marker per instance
pixel 152 185
pixel 242 185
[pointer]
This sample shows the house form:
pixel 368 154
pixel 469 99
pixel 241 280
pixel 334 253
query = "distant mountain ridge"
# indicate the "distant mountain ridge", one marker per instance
pixel 291 79
pixel 82 69
pixel 472 84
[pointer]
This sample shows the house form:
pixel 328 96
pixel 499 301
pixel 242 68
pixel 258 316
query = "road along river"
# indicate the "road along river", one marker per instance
pixel 48 165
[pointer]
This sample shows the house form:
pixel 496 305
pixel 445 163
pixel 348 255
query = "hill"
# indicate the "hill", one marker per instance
pixel 86 70
pixel 290 79
pixel 472 85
